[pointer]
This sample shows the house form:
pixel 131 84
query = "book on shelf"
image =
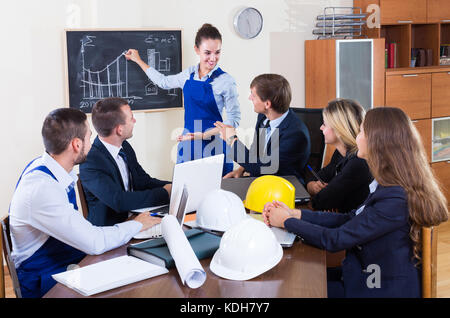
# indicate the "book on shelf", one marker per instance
pixel 392 55
pixel 157 252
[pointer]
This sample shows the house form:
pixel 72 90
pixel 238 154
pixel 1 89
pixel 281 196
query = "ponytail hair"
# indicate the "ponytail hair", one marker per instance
pixel 207 31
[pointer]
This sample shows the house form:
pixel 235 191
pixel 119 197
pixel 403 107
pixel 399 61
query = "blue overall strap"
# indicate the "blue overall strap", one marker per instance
pixel 20 178
pixel 70 191
pixel 214 75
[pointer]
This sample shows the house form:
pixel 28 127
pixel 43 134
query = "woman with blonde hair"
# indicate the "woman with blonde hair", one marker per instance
pixel 346 178
pixel 383 237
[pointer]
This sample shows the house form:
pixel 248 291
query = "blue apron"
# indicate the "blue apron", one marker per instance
pixel 200 114
pixel 51 258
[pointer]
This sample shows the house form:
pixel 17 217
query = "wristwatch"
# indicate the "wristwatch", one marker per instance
pixel 231 138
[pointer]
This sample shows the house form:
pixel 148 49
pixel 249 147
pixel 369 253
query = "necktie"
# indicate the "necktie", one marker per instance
pixel 263 133
pixel 72 196
pixel 124 157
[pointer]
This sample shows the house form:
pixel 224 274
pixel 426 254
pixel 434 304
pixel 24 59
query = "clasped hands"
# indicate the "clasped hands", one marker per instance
pixel 276 213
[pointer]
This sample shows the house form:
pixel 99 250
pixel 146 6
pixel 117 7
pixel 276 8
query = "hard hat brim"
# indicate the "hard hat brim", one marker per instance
pixel 230 274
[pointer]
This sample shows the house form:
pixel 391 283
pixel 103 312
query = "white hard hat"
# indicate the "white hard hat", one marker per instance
pixel 220 210
pixel 246 250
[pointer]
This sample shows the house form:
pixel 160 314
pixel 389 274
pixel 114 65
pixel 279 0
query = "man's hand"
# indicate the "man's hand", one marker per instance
pixel 225 131
pixel 168 188
pixel 235 173
pixel 147 220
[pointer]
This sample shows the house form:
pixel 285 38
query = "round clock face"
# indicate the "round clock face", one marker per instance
pixel 248 23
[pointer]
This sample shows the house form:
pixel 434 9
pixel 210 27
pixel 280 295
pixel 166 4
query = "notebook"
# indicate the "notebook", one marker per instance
pixel 96 278
pixel 157 252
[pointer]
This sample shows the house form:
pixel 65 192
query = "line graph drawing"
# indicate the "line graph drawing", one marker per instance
pixel 107 82
pixel 116 77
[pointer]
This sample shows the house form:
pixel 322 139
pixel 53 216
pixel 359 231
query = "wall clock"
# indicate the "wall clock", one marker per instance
pixel 248 23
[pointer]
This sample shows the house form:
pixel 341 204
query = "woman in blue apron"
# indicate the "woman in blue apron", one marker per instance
pixel 207 92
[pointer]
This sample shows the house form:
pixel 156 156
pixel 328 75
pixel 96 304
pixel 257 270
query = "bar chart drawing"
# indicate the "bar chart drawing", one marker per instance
pixel 161 65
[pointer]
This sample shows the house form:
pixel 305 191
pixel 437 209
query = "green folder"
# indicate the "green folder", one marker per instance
pixel 157 252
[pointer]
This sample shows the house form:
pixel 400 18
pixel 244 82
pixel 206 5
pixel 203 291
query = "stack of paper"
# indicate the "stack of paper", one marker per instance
pixel 106 275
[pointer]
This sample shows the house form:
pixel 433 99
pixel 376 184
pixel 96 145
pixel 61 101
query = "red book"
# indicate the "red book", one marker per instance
pixel 391 55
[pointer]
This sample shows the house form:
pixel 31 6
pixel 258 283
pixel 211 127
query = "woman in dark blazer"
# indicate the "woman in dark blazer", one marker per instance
pixel 346 178
pixel 383 236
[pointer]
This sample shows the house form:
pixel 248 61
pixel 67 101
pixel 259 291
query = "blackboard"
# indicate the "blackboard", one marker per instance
pixel 97 67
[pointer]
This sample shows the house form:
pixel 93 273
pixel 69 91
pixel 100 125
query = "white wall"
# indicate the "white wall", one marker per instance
pixel 32 77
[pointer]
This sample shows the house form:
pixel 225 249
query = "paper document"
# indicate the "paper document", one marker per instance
pixel 188 266
pixel 106 275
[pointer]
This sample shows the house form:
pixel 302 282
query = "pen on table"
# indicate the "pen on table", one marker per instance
pixel 154 214
pixel 315 174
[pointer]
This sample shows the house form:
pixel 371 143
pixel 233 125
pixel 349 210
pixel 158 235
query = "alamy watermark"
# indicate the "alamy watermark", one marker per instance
pixel 374 279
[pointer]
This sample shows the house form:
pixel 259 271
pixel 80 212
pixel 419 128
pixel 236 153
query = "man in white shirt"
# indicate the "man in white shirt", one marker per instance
pixel 113 181
pixel 47 231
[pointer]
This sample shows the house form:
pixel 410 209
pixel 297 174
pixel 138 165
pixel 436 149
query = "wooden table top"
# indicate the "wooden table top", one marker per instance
pixel 300 273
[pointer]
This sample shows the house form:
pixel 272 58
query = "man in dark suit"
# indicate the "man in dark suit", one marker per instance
pixel 113 181
pixel 281 143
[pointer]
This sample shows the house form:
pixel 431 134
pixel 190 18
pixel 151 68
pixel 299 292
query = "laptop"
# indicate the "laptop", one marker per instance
pixel 240 186
pixel 156 230
pixel 283 236
pixel 196 175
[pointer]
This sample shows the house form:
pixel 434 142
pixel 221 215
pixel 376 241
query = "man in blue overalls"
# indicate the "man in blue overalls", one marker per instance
pixel 47 231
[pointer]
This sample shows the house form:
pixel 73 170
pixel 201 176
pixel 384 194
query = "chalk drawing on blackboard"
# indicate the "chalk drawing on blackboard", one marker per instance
pixel 156 39
pixel 162 65
pixel 100 84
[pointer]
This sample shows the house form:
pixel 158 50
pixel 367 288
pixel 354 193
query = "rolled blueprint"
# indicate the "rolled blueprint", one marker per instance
pixel 188 266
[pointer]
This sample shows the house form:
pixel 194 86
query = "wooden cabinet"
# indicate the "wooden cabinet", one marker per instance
pixel 438 10
pixel 411 93
pixel 424 128
pixel 403 11
pixel 330 71
pixel 442 172
pixel 412 24
pixel 440 105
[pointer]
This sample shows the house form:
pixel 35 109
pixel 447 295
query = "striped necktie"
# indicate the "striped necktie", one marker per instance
pixel 124 157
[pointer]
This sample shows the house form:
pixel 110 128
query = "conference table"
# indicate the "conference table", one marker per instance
pixel 301 273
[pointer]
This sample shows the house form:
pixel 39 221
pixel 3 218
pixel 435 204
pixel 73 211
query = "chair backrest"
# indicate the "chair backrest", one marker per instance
pixel 2 272
pixel 429 262
pixel 84 206
pixel 7 247
pixel 312 118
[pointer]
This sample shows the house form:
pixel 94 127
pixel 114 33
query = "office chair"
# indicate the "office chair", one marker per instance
pixel 7 247
pixel 312 118
pixel 429 262
pixel 84 206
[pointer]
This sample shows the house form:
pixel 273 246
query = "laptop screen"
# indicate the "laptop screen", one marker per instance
pixel 182 206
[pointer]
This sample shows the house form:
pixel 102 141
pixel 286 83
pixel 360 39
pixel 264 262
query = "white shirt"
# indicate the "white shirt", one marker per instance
pixel 123 168
pixel 372 187
pixel 40 208
pixel 272 125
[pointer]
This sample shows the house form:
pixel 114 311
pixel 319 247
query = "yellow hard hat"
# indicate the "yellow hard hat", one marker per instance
pixel 267 189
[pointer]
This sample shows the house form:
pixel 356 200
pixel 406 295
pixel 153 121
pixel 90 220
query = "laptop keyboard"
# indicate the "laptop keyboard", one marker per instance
pixel 153 232
pixel 161 211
